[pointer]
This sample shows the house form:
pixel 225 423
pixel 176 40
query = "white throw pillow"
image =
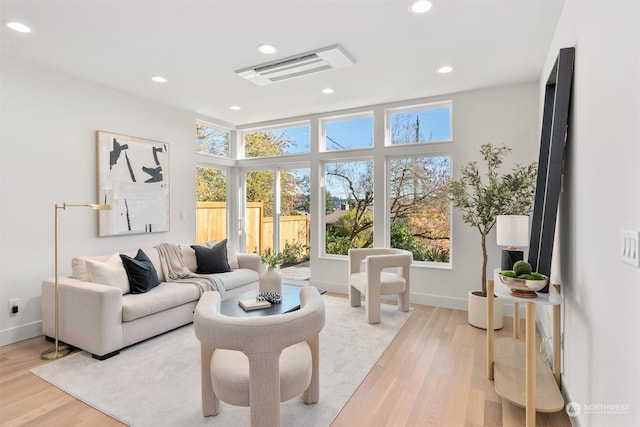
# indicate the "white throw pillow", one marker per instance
pixel 110 273
pixel 232 256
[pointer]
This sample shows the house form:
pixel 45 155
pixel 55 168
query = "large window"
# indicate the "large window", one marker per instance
pixel 425 123
pixel 349 206
pixel 212 140
pixel 277 142
pixel 412 210
pixel 211 204
pixel 348 133
pixel 419 207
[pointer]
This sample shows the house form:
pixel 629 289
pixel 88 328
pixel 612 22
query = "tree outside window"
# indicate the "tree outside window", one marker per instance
pixel 350 225
pixel 419 207
pixel 210 140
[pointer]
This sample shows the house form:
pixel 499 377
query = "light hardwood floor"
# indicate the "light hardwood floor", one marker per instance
pixel 432 374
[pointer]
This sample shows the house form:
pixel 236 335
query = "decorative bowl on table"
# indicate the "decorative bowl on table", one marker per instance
pixel 524 288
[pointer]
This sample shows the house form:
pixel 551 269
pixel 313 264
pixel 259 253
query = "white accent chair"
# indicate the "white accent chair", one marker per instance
pixel 373 281
pixel 259 361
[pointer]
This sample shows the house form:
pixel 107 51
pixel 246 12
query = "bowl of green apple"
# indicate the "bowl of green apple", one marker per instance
pixel 522 281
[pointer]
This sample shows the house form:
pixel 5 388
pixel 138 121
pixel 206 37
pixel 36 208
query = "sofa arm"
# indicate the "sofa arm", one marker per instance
pixel 252 262
pixel 89 314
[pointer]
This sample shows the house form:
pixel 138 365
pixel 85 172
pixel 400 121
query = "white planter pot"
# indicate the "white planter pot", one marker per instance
pixel 477 311
pixel 271 281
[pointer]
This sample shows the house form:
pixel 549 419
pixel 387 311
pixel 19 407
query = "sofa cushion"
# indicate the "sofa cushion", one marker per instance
pixel 163 297
pixel 236 278
pixel 212 260
pixel 110 273
pixel 141 272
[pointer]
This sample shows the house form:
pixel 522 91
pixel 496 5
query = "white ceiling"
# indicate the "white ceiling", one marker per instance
pixel 197 46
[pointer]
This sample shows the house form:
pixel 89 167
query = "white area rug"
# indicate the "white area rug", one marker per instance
pixel 157 382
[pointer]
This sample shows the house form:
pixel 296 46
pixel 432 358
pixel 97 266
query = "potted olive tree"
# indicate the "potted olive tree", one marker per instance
pixel 480 199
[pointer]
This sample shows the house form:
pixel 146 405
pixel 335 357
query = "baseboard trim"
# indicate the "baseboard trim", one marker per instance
pixel 440 301
pixel 416 298
pixel 20 333
pixel 420 298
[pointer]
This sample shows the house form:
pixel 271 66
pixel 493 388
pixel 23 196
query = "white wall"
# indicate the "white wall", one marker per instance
pixel 48 157
pixel 601 358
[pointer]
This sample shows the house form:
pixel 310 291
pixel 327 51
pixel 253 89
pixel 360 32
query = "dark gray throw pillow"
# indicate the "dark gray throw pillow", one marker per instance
pixel 141 272
pixel 212 260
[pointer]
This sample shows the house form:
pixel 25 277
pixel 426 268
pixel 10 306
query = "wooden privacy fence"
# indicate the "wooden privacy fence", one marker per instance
pixel 211 224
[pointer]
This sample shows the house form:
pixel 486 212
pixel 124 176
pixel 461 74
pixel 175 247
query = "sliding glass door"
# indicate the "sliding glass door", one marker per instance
pixel 277 216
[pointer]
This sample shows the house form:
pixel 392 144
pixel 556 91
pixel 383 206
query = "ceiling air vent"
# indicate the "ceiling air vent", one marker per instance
pixel 299 65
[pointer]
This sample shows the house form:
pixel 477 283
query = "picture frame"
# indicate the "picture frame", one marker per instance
pixel 133 178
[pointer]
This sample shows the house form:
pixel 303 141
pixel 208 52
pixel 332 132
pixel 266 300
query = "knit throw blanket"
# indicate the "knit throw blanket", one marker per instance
pixel 175 270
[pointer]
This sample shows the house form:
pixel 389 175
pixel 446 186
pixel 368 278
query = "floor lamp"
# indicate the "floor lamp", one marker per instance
pixel 61 351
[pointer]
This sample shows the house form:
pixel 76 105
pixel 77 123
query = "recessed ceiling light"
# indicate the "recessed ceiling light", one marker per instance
pixel 267 49
pixel 327 90
pixel 445 69
pixel 159 79
pixel 420 6
pixel 235 107
pixel 18 26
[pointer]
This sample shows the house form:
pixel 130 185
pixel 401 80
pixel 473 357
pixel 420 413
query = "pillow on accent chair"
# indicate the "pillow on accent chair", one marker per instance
pixel 110 273
pixel 212 260
pixel 141 272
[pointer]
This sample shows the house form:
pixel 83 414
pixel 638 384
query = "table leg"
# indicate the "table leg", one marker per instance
pixel 490 329
pixel 531 365
pixel 556 343
pixel 516 320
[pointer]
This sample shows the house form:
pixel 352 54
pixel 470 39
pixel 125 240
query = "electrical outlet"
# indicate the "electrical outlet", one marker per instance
pixel 14 305
pixel 630 246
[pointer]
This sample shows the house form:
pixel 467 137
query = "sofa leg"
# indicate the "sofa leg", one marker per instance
pixel 106 356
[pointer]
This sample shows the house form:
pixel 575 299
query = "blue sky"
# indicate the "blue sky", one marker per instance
pixel 358 132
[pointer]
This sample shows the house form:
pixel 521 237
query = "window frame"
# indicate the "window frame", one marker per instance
pixel 228 170
pixel 267 128
pixel 387 202
pixel 344 117
pixel 318 157
pixel 388 112
pixel 229 130
pixel 323 200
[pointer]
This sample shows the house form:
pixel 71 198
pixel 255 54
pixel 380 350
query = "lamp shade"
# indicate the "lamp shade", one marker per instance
pixel 512 230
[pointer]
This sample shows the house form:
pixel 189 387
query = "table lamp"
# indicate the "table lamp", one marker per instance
pixel 512 231
pixel 62 350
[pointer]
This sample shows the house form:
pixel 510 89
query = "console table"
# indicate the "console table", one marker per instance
pixel 520 373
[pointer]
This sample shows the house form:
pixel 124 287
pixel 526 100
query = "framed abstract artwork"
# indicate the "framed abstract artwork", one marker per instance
pixel 133 177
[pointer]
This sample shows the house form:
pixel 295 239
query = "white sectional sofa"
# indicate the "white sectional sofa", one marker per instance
pixel 103 319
